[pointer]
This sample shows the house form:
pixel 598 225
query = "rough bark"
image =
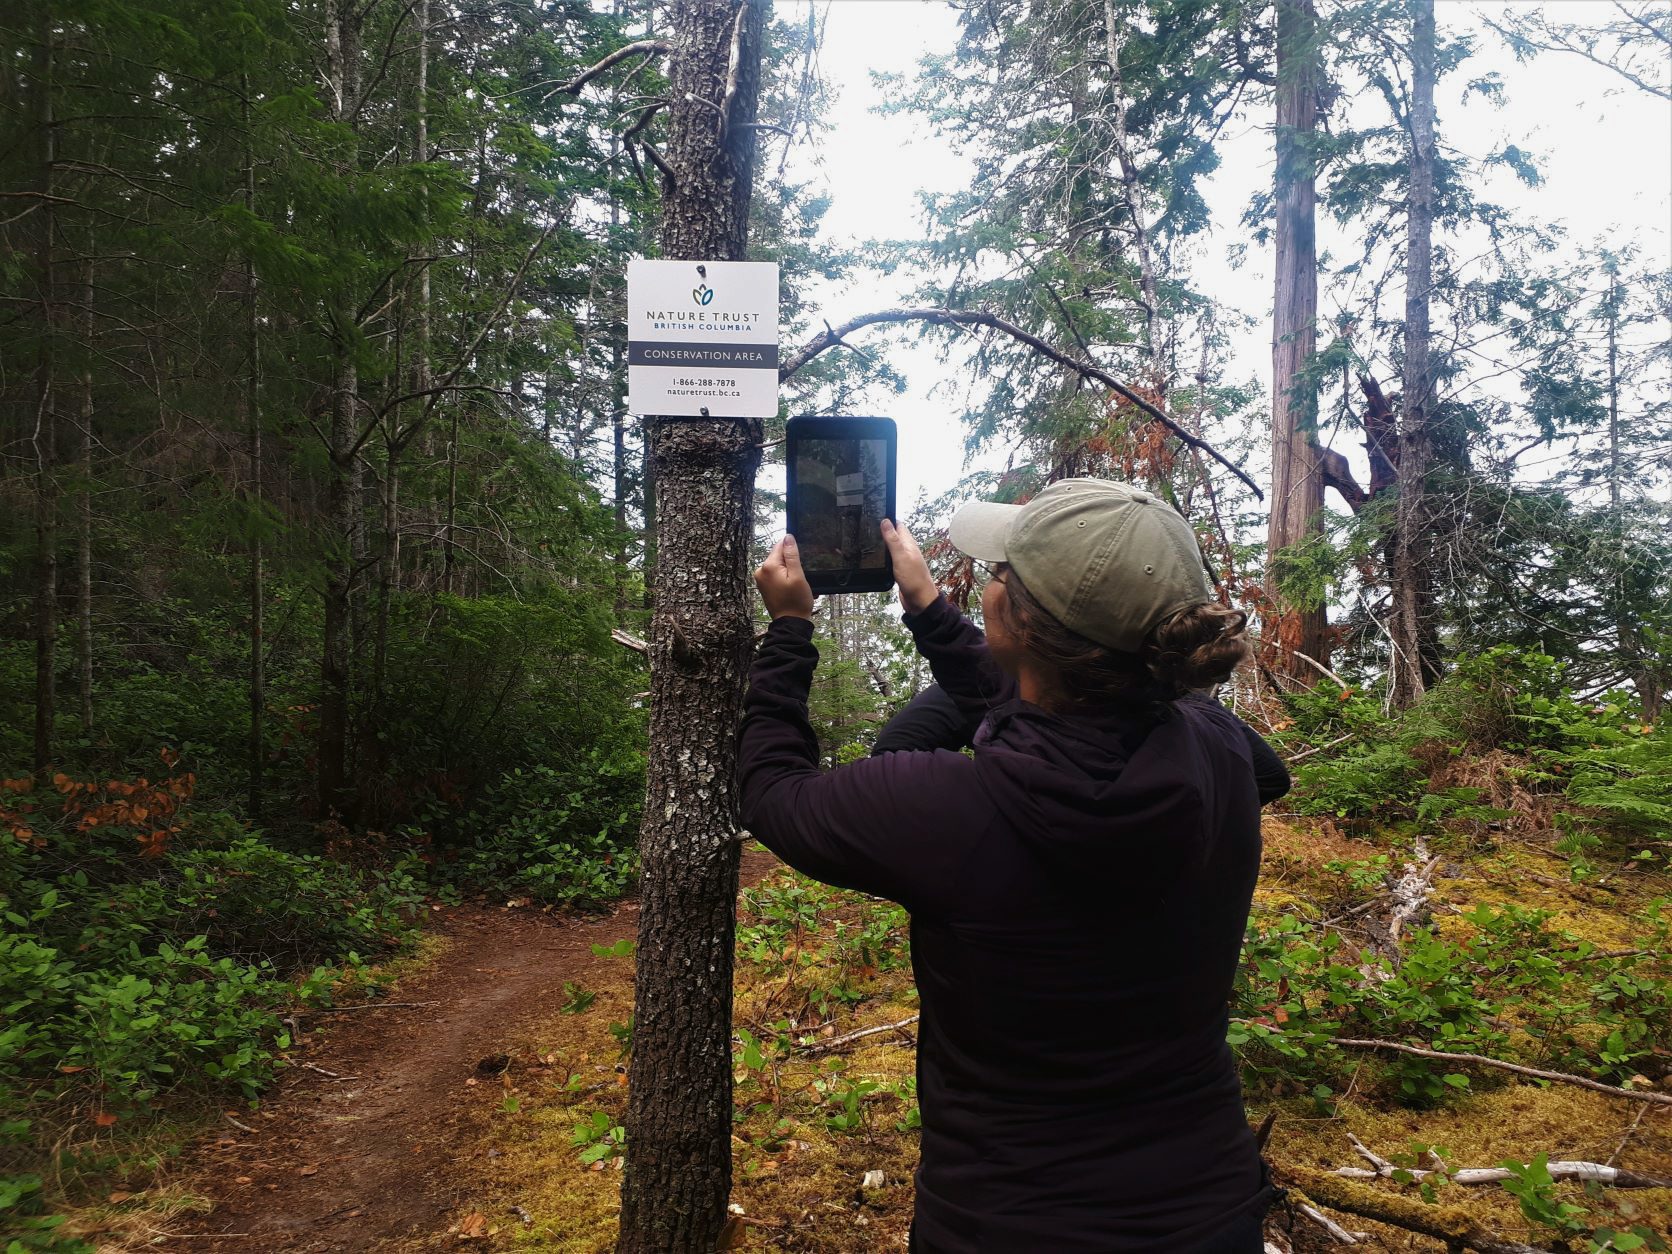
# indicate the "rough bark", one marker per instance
pixel 44 438
pixel 1297 481
pixel 1381 436
pixel 84 507
pixel 342 43
pixel 1413 629
pixel 679 1116
pixel 251 402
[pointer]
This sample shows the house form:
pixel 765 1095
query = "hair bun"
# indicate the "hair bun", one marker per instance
pixel 1198 647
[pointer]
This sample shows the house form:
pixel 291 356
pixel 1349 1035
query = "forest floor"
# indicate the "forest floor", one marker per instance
pixel 372 1140
pixel 481 1109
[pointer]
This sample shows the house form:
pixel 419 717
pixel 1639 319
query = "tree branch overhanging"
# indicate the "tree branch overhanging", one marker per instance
pixel 980 318
pixel 650 47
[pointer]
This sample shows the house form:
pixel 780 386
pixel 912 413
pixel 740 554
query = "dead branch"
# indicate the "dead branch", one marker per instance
pixel 848 1038
pixel 980 318
pixel 1481 1060
pixel 1341 1235
pixel 1443 1223
pixel 734 68
pixel 660 162
pixel 650 47
pixel 1306 753
pixel 629 641
pixel 1323 670
pixel 1563 1169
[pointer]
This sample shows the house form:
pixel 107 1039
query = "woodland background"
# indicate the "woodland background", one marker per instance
pixel 327 546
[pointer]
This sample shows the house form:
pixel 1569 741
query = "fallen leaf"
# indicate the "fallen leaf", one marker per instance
pixel 67 1070
pixel 474 1226
pixel 312 1169
pixel 119 1197
pixel 244 1180
pixel 105 1119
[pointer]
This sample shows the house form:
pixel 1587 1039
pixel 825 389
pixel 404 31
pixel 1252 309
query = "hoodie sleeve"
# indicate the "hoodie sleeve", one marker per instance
pixel 890 825
pixel 957 653
pixel 930 720
pixel 1271 777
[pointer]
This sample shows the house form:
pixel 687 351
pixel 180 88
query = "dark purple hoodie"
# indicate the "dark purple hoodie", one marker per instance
pixel 1079 890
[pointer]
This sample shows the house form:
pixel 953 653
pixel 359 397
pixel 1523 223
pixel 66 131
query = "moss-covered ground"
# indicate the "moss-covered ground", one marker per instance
pixel 824 1140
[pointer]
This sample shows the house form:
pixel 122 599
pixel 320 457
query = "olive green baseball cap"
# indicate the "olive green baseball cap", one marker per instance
pixel 1108 560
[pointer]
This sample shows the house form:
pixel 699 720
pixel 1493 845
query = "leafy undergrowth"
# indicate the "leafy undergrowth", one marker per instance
pixel 1517 960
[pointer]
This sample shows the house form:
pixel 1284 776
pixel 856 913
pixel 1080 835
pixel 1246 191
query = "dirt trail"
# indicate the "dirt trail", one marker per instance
pixel 371 1160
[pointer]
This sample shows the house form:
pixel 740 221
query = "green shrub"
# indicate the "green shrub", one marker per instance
pixel 559 835
pixel 1361 782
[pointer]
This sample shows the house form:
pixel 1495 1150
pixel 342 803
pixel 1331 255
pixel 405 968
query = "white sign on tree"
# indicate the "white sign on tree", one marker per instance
pixel 702 338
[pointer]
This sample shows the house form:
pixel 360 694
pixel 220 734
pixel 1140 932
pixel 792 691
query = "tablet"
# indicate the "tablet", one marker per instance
pixel 841 475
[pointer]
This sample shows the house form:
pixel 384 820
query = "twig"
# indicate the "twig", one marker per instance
pixel 847 1038
pixel 1358 909
pixel 1341 1235
pixel 980 318
pixel 1306 753
pixel 1560 1077
pixel 334 1075
pixel 1630 1132
pixel 367 1005
pixel 242 1127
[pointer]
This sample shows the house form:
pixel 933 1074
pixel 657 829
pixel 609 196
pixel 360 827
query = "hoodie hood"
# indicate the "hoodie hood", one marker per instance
pixel 1115 793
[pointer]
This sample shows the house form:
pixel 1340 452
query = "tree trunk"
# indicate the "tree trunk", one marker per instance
pixel 252 414
pixel 342 42
pixel 1413 629
pixel 44 439
pixel 1132 193
pixel 84 503
pixel 679 1115
pixel 1297 481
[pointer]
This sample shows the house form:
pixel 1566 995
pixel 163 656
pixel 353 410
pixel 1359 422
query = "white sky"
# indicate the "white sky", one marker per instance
pixel 1606 150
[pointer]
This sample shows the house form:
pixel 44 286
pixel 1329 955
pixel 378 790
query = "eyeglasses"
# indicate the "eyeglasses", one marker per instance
pixel 993 570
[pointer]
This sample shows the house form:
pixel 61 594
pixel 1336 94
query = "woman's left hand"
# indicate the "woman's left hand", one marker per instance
pixel 783 584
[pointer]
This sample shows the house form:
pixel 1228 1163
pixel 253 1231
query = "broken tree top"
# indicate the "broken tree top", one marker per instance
pixel 702 338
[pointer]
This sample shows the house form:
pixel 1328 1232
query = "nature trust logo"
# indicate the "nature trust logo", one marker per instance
pixel 702 294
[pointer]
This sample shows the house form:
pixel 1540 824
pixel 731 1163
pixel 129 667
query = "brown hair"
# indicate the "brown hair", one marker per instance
pixel 1197 647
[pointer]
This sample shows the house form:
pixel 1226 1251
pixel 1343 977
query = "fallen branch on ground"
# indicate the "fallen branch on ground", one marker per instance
pixel 847 1038
pixel 1561 1170
pixel 1539 1073
pixel 1446 1224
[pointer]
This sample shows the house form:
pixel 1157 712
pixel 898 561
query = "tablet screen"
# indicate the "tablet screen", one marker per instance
pixel 841 499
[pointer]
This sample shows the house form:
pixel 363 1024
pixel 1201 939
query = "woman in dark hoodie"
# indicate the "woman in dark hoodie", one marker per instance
pixel 1078 889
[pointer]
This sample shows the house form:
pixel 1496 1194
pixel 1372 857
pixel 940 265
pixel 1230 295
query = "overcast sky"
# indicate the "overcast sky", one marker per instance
pixel 1606 150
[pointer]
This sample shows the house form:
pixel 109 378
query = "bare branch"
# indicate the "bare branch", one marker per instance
pixel 979 318
pixel 650 47
pixel 1481 1060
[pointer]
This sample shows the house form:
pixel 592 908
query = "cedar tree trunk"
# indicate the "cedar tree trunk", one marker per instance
pixel 1297 480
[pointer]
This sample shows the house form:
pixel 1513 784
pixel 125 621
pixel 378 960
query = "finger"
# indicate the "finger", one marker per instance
pixel 791 556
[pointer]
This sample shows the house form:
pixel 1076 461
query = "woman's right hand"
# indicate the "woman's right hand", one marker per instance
pixel 917 587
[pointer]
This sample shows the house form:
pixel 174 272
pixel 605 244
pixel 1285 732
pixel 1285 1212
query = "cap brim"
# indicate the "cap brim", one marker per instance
pixel 981 529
